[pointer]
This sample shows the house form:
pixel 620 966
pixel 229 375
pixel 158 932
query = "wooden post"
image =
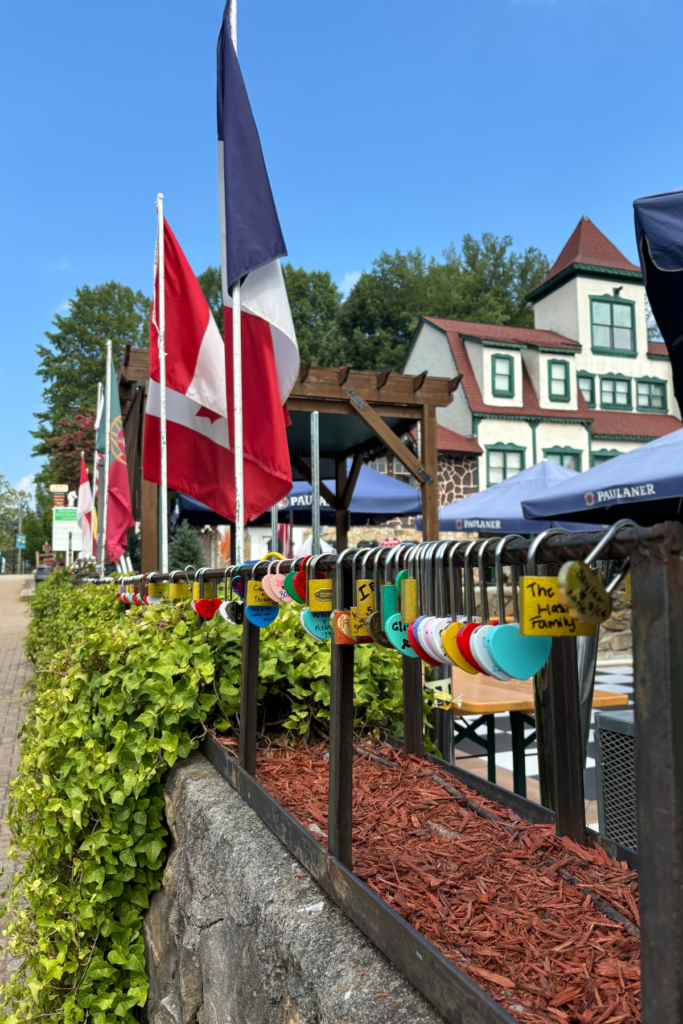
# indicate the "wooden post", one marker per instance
pixel 429 458
pixel 342 515
pixel 413 742
pixel 341 739
pixel 657 587
pixel 251 636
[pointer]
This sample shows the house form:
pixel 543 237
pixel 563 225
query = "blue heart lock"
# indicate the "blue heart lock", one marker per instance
pixel 261 615
pixel 520 656
pixel 316 624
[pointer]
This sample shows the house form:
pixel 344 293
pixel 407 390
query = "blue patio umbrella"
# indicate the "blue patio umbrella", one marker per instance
pixel 659 234
pixel 645 484
pixel 376 498
pixel 498 509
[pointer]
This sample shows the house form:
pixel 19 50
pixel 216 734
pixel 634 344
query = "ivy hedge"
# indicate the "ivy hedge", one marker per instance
pixel 117 697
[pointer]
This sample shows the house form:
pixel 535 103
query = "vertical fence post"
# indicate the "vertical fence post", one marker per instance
pixel 657 612
pixel 251 636
pixel 341 733
pixel 563 725
pixel 413 742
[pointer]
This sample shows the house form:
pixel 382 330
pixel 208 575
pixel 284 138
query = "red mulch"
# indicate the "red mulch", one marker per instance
pixel 489 900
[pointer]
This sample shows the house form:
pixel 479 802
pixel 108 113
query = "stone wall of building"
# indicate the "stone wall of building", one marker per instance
pixel 457 477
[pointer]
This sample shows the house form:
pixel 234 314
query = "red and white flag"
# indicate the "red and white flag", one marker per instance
pixel 199 459
pixel 84 512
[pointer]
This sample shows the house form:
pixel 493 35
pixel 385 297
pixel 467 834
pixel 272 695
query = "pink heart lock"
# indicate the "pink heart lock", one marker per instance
pixel 267 583
pixel 278 586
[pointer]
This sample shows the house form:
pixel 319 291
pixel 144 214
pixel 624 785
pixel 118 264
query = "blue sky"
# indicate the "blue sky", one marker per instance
pixel 385 124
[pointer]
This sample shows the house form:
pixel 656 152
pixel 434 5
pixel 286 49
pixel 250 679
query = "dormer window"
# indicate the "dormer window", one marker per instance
pixel 612 325
pixel 502 377
pixel 558 380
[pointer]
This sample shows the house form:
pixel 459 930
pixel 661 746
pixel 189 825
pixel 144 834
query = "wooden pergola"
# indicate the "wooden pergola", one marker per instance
pixel 359 412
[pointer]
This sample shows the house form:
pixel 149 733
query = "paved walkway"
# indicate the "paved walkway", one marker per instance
pixel 15 670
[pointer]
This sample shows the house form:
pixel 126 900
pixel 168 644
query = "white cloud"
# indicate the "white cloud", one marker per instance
pixel 59 268
pixel 348 280
pixel 27 483
pixel 63 307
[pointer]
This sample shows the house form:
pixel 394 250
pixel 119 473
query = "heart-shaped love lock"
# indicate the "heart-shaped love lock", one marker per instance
pixel 419 650
pixel 289 587
pixel 388 604
pixel 232 611
pixel 267 583
pixel 299 585
pixel 463 640
pixel 449 638
pixel 397 633
pixel 237 584
pixel 520 656
pixel 482 654
pixel 583 593
pixel 261 615
pixel 316 624
pixel 206 607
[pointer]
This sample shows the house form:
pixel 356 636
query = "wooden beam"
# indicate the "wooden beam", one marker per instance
pixel 342 374
pixel 419 380
pixel 350 487
pixel 323 383
pixel 305 471
pixel 342 408
pixel 430 487
pixel 454 383
pixel 342 516
pixel 382 378
pixel 386 434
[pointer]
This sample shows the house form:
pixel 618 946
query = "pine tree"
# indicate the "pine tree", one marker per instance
pixel 185 548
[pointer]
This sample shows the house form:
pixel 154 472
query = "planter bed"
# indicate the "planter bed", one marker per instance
pixel 511 905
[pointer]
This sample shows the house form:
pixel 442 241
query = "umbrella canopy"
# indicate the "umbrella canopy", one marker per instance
pixel 659 233
pixel 645 484
pixel 376 498
pixel 498 509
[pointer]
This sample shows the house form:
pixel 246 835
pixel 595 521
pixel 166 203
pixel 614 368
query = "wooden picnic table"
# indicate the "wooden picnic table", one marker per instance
pixel 483 696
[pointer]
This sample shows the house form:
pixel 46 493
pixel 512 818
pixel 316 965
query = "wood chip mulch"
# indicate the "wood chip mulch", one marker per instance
pixel 491 901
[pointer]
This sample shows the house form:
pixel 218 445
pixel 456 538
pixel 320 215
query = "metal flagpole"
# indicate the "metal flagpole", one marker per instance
pixel 273 529
pixel 162 386
pixel 238 445
pixel 94 521
pixel 315 483
pixel 107 424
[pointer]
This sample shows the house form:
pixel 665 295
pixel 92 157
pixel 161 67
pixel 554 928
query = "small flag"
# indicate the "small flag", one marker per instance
pixel 251 245
pixel 85 509
pixel 119 515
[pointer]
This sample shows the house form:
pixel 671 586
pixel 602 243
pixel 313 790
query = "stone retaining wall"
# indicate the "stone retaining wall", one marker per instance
pixel 240 934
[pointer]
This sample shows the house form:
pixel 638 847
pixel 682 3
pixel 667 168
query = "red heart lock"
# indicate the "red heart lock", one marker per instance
pixel 421 653
pixel 207 607
pixel 299 584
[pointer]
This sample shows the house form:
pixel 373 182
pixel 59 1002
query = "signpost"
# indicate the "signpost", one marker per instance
pixel 64 523
pixel 21 541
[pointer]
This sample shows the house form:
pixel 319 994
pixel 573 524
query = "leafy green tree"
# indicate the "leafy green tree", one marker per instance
pixel 485 281
pixel 315 302
pixel 210 284
pixel 185 548
pixel 75 359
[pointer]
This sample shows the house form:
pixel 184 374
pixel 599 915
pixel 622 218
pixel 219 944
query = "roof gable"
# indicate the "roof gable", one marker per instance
pixel 522 337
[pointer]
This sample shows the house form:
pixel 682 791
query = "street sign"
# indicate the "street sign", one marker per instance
pixel 59 488
pixel 65 522
pixel 20 541
pixel 46 547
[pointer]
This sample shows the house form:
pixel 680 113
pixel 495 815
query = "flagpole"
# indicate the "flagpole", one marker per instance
pixel 94 470
pixel 107 424
pixel 162 386
pixel 238 445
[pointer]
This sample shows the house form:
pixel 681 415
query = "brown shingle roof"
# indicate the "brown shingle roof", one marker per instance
pixel 450 441
pixel 589 246
pixel 499 332
pixel 609 423
pixel 657 348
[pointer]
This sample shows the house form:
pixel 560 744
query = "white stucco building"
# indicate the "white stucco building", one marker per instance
pixel 580 387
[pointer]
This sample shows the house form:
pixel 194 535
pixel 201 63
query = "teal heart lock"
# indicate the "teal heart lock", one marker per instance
pixel 316 624
pixel 520 656
pixel 397 632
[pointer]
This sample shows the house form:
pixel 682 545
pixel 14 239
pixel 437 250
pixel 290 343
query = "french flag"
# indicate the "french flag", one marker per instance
pixel 251 247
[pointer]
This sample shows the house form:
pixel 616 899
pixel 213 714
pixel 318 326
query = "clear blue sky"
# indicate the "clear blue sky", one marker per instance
pixel 385 124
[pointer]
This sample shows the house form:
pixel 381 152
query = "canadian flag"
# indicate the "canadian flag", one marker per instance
pixel 84 511
pixel 199 459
